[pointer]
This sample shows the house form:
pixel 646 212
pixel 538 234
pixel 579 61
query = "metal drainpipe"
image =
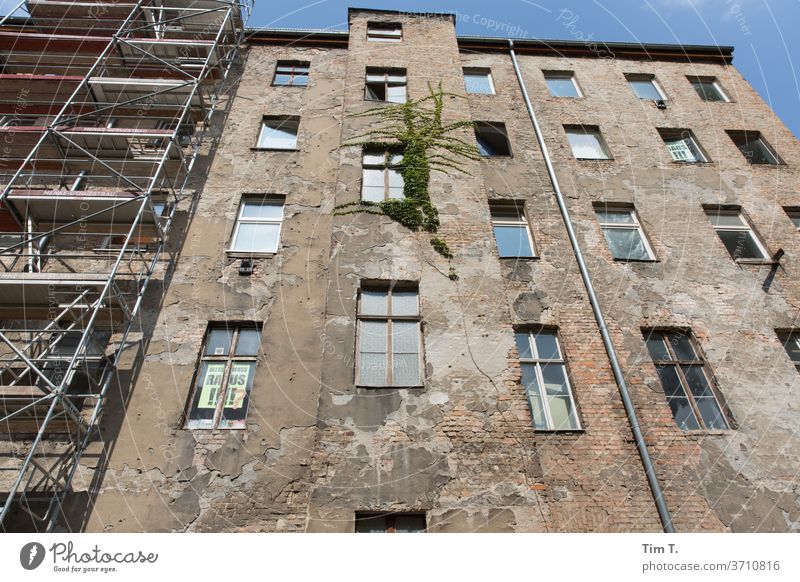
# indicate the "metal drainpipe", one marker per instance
pixel 652 479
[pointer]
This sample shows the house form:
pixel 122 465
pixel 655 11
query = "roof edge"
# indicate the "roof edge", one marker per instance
pixel 652 51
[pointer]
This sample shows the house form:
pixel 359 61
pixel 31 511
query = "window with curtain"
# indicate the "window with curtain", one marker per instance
pixel 389 336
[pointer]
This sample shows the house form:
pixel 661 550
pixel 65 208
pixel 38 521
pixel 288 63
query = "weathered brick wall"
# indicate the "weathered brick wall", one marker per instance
pixel 743 479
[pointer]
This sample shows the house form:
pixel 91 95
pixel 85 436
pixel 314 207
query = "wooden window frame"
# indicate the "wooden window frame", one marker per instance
pixel 228 360
pixel 698 362
pixel 389 318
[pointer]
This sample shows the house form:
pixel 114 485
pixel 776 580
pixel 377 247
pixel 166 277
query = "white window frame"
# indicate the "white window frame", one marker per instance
pixel 389 163
pixel 480 71
pixel 746 227
pixel 635 225
pixel 589 130
pixel 280 120
pixel 537 362
pixel 563 75
pixel 639 77
pixel 776 159
pixel 684 135
pixel 386 73
pixel 384 32
pixel 521 221
pixel 715 82
pixel 240 219
pixel 292 74
pixel 389 317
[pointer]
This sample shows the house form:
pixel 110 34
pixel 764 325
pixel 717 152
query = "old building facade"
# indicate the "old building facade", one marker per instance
pixel 305 367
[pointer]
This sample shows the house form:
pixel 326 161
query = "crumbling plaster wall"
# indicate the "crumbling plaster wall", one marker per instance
pixel 162 477
pixel 462 447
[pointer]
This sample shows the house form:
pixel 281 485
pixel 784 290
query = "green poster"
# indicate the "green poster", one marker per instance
pixel 211 385
pixel 237 385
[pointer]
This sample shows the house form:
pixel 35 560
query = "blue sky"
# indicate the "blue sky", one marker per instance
pixel 764 32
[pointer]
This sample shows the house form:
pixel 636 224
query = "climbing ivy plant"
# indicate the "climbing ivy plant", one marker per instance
pixel 415 129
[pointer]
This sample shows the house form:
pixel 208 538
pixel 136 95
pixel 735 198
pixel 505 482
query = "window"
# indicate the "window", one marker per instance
pixel 794 215
pixel 623 233
pixel 645 87
pixel 258 226
pixel 587 143
pixel 479 81
pixel 384 31
pixel 686 380
pixel 381 177
pixel 544 377
pixel 754 147
pixel 492 139
pixel 511 230
pixel 791 342
pixel 736 234
pixel 291 73
pixel 278 133
pixel 224 379
pixel 708 88
pixel 562 84
pixel 386 85
pixel 682 146
pixel 389 337
pixel 390 522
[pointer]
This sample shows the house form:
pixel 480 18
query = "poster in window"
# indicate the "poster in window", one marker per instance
pixel 240 382
pixel 237 385
pixel 212 382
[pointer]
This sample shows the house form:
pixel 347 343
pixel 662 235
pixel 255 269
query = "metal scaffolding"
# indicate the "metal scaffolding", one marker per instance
pixel 104 108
